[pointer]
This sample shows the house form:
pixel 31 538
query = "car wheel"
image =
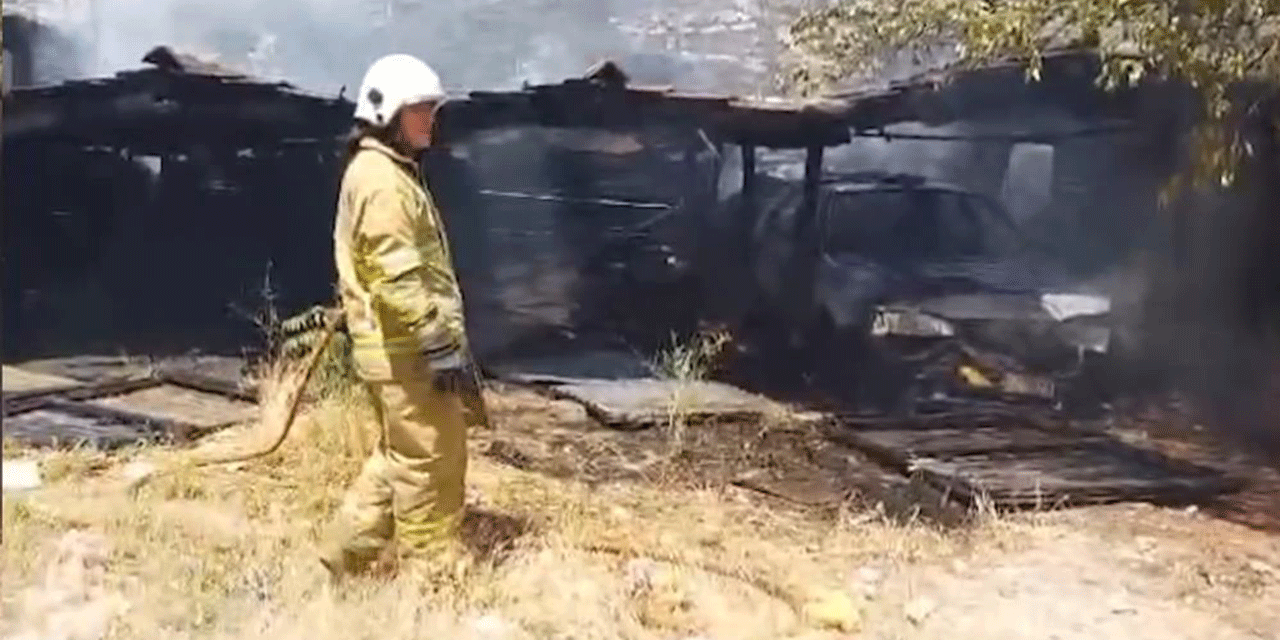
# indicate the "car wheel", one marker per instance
pixel 1087 393
pixel 842 361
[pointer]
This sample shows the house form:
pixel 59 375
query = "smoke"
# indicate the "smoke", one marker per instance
pixel 322 45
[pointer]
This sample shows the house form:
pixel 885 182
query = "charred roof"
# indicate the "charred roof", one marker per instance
pixel 180 100
pixel 177 101
pixel 166 59
pixel 604 98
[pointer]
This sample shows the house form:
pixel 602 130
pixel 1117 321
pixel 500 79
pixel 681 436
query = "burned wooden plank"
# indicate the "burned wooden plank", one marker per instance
pixel 122 415
pixel 896 442
pixel 1089 473
pixel 18 380
pixel 1016 461
pixel 23 401
pixel 808 489
pixel 986 414
pixel 955 441
pixel 175 404
pixel 59 423
pixel 889 456
pixel 190 406
pixel 642 403
pixel 49 428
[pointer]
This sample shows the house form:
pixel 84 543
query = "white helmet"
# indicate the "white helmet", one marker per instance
pixel 392 82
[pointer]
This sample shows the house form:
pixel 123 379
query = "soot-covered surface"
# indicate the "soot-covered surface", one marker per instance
pixel 145 209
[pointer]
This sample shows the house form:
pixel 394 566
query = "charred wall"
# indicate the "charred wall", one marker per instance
pixel 565 240
pixel 144 211
pixel 108 252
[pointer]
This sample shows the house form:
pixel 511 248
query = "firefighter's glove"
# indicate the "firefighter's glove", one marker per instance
pixel 451 373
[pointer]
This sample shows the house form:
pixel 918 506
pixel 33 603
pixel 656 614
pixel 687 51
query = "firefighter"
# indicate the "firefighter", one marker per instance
pixel 404 314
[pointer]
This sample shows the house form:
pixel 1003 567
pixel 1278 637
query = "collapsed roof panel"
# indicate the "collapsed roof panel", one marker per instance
pixel 604 98
pixel 166 59
pixel 142 109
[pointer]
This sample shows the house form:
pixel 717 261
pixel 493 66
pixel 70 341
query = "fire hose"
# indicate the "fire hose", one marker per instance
pixel 329 323
pixel 312 333
pixel 295 383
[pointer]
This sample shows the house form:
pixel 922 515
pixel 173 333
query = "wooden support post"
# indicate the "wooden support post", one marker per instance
pixel 748 172
pixel 699 199
pixel 749 212
pixel 717 167
pixel 812 178
pixel 807 239
pixel 690 161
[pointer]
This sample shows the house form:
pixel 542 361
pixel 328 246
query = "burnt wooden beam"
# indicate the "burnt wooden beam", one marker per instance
pixel 208 384
pixel 575 103
pixel 23 401
pixel 1043 137
pixel 146 107
pixel 804 267
pixel 149 104
pixel 147 427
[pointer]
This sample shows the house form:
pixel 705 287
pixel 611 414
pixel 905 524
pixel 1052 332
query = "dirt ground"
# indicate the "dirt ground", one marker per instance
pixel 712 531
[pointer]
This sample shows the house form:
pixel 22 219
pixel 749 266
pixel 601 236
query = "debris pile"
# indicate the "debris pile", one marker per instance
pixel 1010 460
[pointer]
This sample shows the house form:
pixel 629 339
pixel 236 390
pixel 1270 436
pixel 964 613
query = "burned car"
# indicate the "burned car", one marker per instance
pixel 900 289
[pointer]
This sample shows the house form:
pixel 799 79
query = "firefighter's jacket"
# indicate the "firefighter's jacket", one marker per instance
pixel 395 273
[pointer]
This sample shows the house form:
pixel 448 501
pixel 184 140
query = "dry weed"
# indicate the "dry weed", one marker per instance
pixel 687 363
pixel 226 552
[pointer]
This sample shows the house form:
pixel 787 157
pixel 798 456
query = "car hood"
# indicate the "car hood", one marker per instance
pixel 1018 274
pixel 1021 287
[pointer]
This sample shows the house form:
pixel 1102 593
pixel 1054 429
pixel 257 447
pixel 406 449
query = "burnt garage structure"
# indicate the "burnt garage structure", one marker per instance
pixel 144 211
pixel 137 206
pixel 706 189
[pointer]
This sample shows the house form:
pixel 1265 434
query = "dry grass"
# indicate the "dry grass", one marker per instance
pixel 227 552
pixel 686 363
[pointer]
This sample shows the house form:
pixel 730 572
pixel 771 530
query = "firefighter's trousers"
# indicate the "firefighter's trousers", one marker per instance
pixel 411 489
